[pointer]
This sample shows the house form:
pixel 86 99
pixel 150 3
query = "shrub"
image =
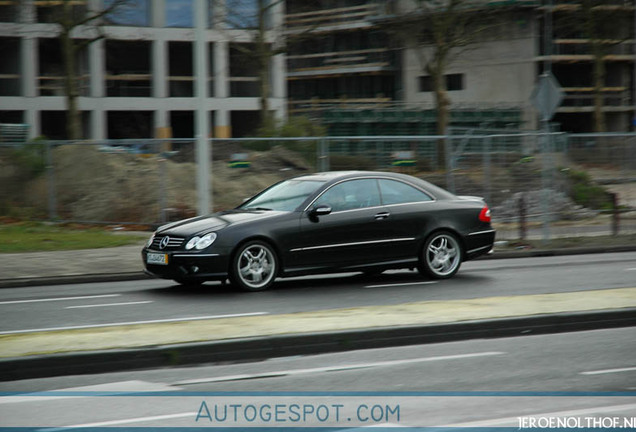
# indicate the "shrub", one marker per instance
pixel 587 193
pixel 30 158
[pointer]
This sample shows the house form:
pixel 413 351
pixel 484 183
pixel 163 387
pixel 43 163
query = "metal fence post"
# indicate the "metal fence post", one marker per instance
pixel 615 214
pixel 546 183
pixel 50 170
pixel 448 149
pixel 487 173
pixel 522 217
pixel 323 155
pixel 162 187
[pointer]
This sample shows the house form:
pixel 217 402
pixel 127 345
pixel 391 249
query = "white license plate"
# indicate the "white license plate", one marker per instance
pixel 156 258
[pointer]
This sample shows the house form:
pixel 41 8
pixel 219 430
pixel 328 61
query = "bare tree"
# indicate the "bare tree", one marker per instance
pixel 438 31
pixel 603 26
pixel 255 17
pixel 267 40
pixel 71 17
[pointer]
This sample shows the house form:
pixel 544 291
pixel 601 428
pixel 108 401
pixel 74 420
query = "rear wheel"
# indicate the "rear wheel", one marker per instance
pixel 254 266
pixel 441 256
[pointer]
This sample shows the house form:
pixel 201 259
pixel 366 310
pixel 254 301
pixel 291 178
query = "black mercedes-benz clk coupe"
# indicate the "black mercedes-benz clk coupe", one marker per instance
pixel 324 223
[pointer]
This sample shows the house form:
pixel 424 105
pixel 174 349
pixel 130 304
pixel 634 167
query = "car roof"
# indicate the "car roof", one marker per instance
pixel 334 176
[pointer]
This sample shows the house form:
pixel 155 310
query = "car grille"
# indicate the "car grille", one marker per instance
pixel 173 242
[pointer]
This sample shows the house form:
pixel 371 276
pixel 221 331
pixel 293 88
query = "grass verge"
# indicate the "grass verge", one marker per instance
pixel 40 237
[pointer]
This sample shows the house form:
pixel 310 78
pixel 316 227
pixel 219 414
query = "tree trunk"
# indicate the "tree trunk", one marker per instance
pixel 442 104
pixel 71 87
pixel 599 82
pixel 263 55
pixel 264 78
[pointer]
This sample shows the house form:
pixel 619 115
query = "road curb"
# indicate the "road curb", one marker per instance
pixel 560 252
pixel 73 279
pixel 140 275
pixel 256 348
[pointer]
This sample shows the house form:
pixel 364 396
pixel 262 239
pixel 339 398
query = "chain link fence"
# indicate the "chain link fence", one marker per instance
pixel 537 184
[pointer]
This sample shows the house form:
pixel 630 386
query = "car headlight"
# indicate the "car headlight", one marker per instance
pixel 201 242
pixel 150 240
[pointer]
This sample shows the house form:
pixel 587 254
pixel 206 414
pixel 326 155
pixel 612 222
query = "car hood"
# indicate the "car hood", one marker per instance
pixel 215 222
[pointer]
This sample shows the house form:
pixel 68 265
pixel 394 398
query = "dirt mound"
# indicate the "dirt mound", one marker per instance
pixel 91 185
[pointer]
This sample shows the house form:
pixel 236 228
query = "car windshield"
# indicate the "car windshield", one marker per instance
pixel 284 196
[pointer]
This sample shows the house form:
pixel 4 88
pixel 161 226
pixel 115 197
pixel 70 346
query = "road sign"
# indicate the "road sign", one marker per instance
pixel 547 95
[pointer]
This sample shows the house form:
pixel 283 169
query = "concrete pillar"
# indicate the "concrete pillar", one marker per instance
pixel 222 123
pixel 27 12
pixel 157 13
pixel 221 69
pixel 32 118
pixel 96 59
pixel 29 65
pixel 98 125
pixel 29 82
pixel 162 122
pixel 159 68
pixel 279 85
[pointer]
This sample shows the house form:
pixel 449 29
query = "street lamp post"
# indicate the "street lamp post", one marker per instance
pixel 203 151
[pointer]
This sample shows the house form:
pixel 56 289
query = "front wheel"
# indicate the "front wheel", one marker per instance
pixel 441 256
pixel 254 266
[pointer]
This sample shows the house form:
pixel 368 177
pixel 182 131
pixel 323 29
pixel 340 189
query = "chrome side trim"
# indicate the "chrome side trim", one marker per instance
pixel 337 245
pixel 194 255
pixel 482 232
pixel 478 249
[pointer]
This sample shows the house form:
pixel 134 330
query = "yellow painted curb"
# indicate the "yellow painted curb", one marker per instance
pixel 419 313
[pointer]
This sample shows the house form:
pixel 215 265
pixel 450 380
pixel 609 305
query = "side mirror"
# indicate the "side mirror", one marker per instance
pixel 321 210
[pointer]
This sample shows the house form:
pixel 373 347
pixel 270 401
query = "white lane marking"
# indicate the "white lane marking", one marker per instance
pixel 122 421
pixel 631 269
pixel 333 368
pixel 571 413
pixel 59 299
pixel 134 323
pixel 608 371
pixel 379 425
pixel 401 284
pixel 108 304
pixel 131 386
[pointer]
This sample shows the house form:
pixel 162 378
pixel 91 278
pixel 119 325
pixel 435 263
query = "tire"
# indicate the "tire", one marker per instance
pixel 254 266
pixel 441 256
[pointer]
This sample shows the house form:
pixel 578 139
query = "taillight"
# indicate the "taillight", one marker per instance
pixel 484 215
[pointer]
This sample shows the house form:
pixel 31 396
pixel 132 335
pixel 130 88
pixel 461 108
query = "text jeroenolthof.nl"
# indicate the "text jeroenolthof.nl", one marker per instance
pixel 588 422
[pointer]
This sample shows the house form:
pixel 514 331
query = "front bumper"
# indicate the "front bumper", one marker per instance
pixel 187 266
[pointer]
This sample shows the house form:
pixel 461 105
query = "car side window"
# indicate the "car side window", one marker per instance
pixel 350 195
pixel 396 192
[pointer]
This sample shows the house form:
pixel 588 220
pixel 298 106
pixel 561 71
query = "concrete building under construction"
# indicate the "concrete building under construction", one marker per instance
pixel 340 65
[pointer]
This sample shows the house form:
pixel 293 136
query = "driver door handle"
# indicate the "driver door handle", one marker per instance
pixel 382 215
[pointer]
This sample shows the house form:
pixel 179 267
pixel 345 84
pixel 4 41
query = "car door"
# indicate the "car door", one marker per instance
pixel 410 215
pixel 353 233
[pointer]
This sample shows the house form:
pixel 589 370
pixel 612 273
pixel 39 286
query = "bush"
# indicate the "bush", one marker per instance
pixel 298 126
pixel 587 193
pixel 30 158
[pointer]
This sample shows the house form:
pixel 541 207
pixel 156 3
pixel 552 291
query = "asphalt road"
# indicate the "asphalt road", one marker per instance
pixel 485 383
pixel 98 304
